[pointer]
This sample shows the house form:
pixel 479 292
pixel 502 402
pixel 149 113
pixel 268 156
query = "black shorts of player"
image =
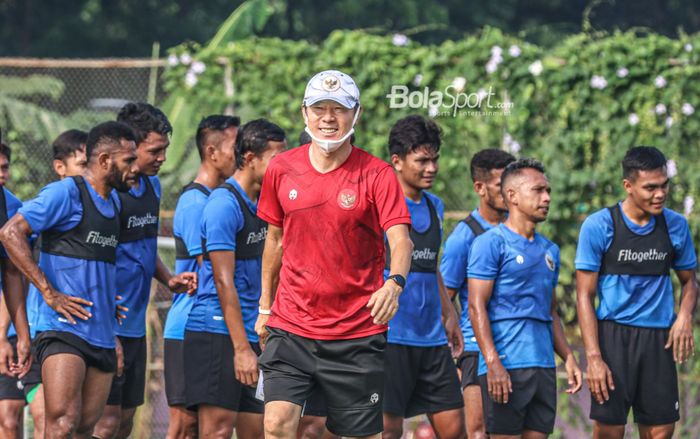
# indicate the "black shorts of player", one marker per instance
pixel 128 389
pixel 468 363
pixel 11 387
pixel 315 404
pixel 33 377
pixel 210 377
pixel 420 380
pixel 531 406
pixel 644 374
pixel 350 373
pixel 174 371
pixel 50 343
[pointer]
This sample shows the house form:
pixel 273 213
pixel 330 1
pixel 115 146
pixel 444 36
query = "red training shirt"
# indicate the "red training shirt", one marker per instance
pixel 333 242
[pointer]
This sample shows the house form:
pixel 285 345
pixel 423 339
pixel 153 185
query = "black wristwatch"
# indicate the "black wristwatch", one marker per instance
pixel 400 280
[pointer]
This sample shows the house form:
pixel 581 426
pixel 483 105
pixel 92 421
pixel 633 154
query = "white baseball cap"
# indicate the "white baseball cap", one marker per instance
pixel 332 85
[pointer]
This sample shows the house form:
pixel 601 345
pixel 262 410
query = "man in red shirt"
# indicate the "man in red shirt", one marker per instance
pixel 328 205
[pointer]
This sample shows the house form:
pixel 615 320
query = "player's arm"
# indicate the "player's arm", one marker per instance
pixel 450 320
pixel 245 362
pixel 497 377
pixel 6 352
pixel 600 379
pixel 562 348
pixel 13 236
pixel 270 277
pixel 680 337
pixel 15 287
pixel 185 282
pixel 385 301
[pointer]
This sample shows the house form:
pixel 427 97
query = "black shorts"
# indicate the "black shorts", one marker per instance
pixel 210 377
pixel 531 406
pixel 315 404
pixel 174 371
pixel 11 387
pixel 420 380
pixel 128 389
pixel 644 374
pixel 468 363
pixel 58 342
pixel 350 373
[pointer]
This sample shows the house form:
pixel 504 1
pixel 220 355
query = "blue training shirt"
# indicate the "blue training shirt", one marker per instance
pixel 453 267
pixel 221 220
pixel 418 321
pixel 525 274
pixel 12 204
pixel 58 207
pixel 644 301
pixel 186 226
pixel 136 265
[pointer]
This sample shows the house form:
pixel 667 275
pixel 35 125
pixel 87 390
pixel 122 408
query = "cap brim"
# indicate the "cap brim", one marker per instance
pixel 345 102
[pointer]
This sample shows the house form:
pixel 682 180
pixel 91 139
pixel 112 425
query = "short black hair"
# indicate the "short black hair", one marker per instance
pixel 641 158
pixel 486 160
pixel 413 132
pixel 214 124
pixel 304 138
pixel 516 168
pixel 5 150
pixel 144 118
pixel 107 134
pixel 67 143
pixel 254 136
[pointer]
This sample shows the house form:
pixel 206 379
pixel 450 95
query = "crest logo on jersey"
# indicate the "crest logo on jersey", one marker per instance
pixel 347 199
pixel 374 398
pixel 331 83
pixel 550 261
pixel 293 194
pixel 519 259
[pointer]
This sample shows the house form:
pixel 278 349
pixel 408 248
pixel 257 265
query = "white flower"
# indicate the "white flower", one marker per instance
pixel 514 51
pixel 496 51
pixel 191 79
pixel 622 72
pixel 671 169
pixel 687 109
pixel 185 58
pixel 598 82
pixel 173 60
pixel 669 122
pixel 536 68
pixel 198 67
pixel 688 47
pixel 688 203
pixel 399 40
pixel 510 144
pixel 660 109
pixel 514 148
pixel 417 79
pixel 633 119
pixel 481 94
pixel 433 111
pixel 660 82
pixel 459 82
pixel 491 66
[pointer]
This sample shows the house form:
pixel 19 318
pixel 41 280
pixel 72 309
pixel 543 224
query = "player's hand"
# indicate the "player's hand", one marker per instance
pixel 121 311
pixel 185 282
pixel 245 363
pixel 573 372
pixel 261 329
pixel 600 379
pixel 120 356
pixel 7 356
pixel 455 339
pixel 24 357
pixel 499 384
pixel 67 305
pixel 680 338
pixel 384 302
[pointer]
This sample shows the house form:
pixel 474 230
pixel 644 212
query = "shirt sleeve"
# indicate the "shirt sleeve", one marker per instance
pixel 221 221
pixel 455 258
pixel 192 214
pixel 682 241
pixel 485 257
pixel 54 207
pixel 389 199
pixel 593 242
pixel 269 207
